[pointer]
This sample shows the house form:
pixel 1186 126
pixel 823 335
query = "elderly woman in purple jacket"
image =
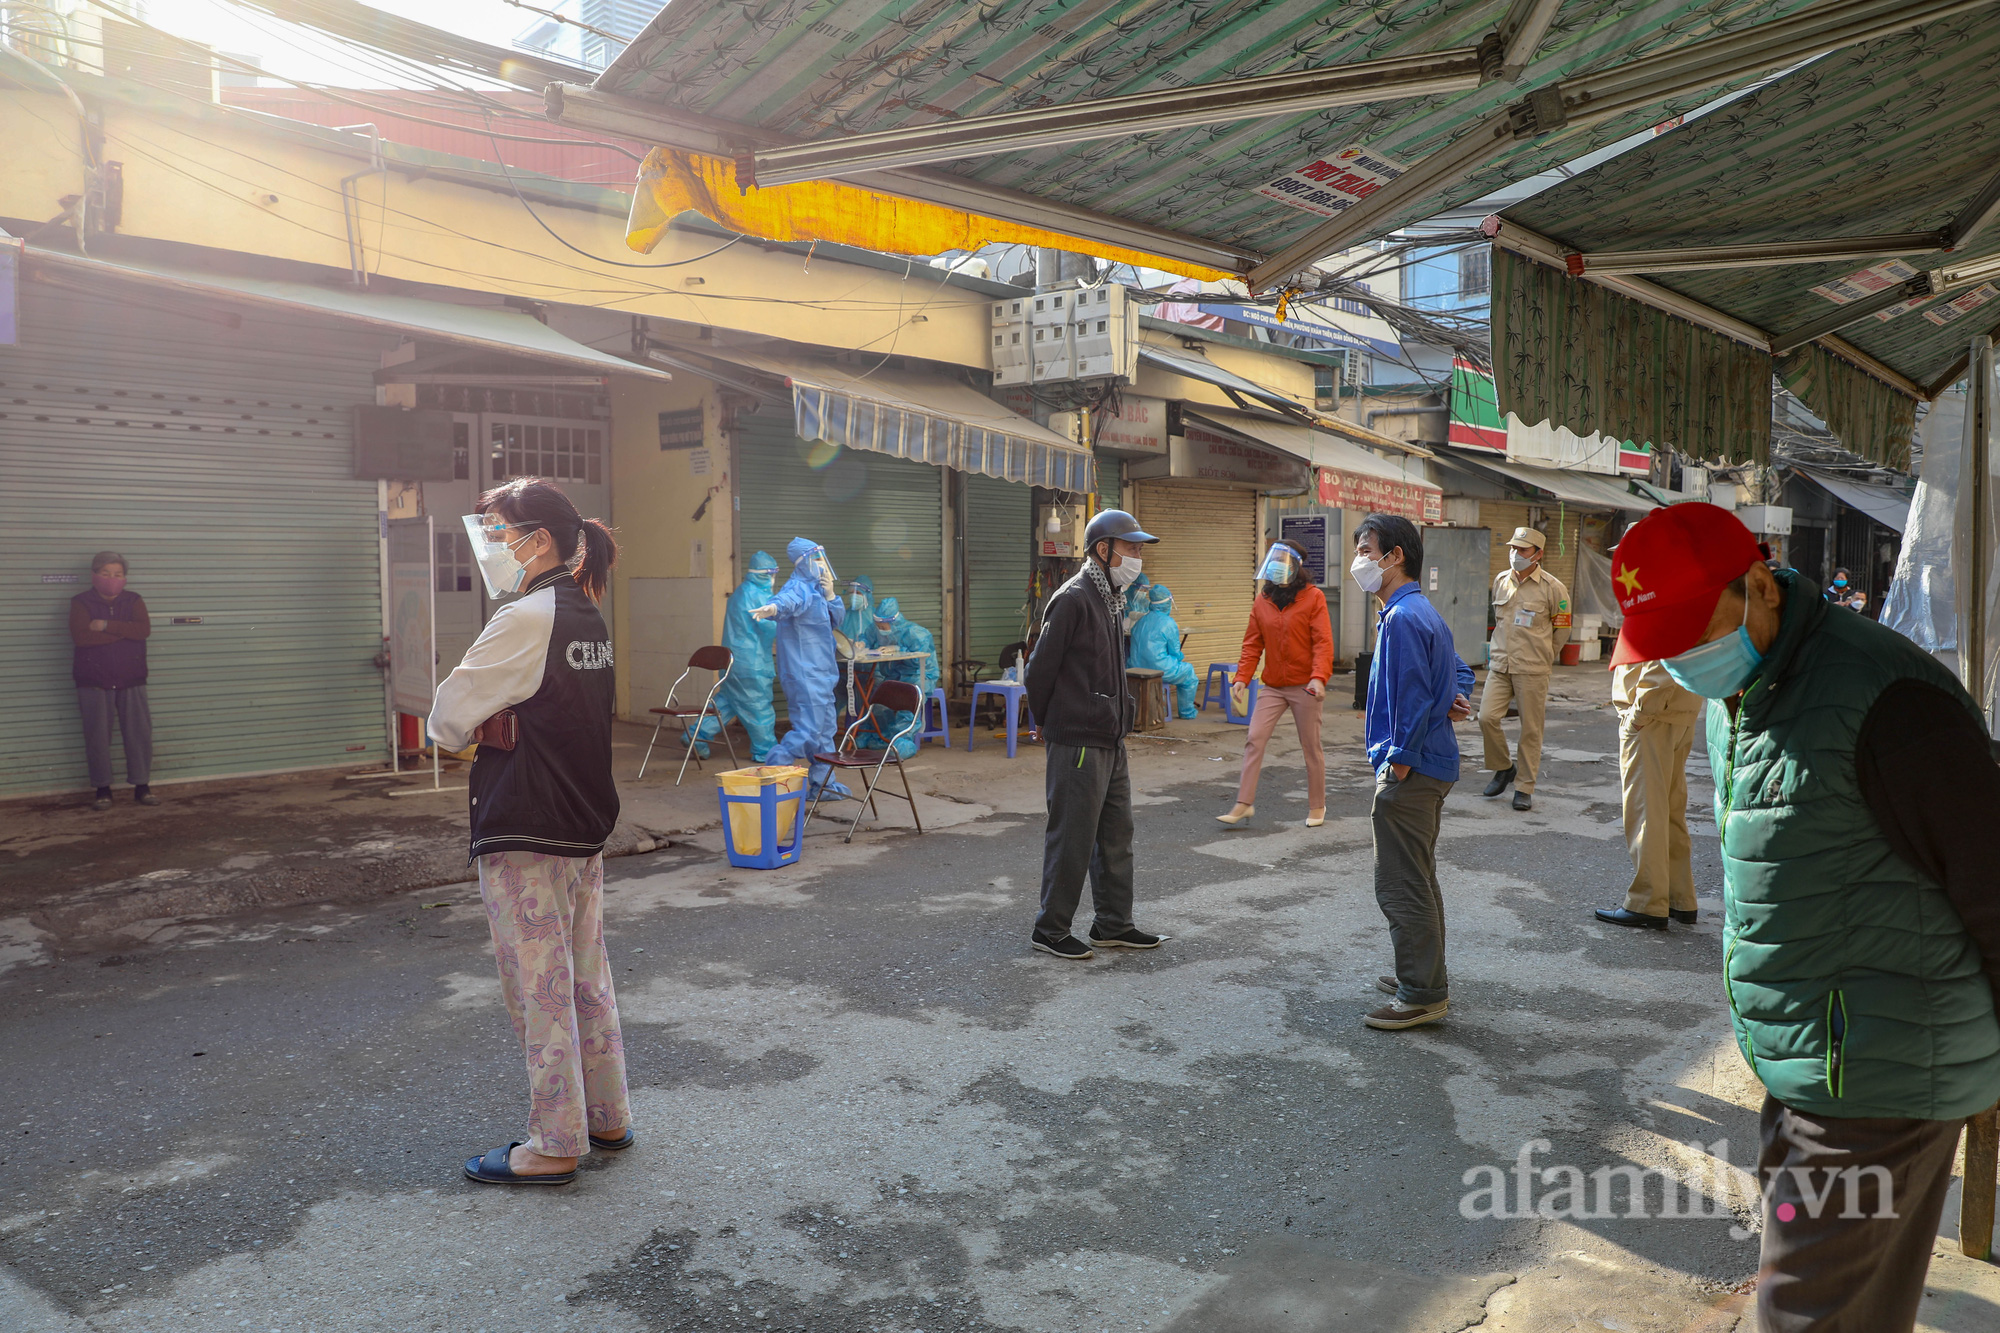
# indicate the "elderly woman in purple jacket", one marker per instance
pixel 109 627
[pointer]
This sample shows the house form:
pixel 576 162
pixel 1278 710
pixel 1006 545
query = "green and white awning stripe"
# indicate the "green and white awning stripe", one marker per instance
pixel 1476 419
pixel 1585 357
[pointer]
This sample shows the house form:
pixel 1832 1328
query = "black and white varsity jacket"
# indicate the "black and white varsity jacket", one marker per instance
pixel 547 656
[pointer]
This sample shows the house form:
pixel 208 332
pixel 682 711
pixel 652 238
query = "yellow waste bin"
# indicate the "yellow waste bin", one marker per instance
pixel 777 787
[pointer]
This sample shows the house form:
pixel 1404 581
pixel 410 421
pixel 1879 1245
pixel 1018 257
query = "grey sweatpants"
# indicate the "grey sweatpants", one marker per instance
pixel 1845 1248
pixel 1090 828
pixel 1406 818
pixel 135 728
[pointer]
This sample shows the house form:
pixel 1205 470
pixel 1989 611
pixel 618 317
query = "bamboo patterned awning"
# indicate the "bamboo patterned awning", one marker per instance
pixel 1882 150
pixel 728 85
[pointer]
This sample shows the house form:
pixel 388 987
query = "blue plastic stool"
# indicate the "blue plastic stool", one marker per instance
pixel 1229 713
pixel 1016 697
pixel 1210 690
pixel 926 732
pixel 774 853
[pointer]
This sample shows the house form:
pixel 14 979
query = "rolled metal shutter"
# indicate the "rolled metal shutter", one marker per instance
pixel 875 515
pixel 999 560
pixel 219 460
pixel 1207 557
pixel 1110 489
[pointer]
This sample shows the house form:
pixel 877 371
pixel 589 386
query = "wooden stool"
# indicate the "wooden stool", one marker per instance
pixel 1146 688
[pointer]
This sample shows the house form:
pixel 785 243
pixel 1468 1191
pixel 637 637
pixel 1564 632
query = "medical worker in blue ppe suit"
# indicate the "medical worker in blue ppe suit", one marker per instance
pixel 746 695
pixel 859 622
pixel 807 611
pixel 1136 605
pixel 1156 645
pixel 904 636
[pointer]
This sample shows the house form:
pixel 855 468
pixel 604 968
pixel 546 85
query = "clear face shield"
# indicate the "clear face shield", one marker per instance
pixel 1281 564
pixel 818 568
pixel 495 545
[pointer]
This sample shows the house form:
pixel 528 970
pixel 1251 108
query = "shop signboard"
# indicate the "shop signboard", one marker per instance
pixel 1331 185
pixel 1340 489
pixel 1138 429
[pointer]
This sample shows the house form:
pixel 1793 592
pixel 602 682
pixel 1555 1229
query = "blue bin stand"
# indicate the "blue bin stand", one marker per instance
pixel 774 853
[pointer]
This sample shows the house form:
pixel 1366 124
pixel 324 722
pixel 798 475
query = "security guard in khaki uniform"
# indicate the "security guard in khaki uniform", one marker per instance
pixel 1530 627
pixel 1657 721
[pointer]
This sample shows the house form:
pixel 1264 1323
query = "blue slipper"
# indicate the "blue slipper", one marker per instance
pixel 614 1145
pixel 492 1169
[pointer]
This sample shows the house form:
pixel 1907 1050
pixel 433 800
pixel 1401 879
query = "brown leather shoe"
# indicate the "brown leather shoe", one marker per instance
pixel 1393 1016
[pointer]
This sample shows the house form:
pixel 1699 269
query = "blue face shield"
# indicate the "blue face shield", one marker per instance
pixel 1720 669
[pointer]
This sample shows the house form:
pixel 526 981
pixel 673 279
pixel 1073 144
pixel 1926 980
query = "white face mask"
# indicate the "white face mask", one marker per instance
pixel 1126 571
pixel 1366 572
pixel 1521 561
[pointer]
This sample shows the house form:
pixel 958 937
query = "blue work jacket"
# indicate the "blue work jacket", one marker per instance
pixel 1416 676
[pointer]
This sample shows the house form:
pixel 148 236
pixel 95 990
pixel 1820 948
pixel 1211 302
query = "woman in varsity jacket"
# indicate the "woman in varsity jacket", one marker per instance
pixel 541 810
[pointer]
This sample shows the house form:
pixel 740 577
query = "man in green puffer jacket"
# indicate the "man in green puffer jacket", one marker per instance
pixel 1855 789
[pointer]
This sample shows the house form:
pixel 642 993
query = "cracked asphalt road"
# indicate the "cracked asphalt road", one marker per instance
pixel 863 1104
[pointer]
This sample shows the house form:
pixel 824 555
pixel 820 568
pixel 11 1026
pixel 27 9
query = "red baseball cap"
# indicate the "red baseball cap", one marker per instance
pixel 1669 572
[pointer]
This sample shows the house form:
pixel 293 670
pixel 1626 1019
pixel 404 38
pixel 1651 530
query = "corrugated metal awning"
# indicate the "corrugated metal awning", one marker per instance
pixel 495 328
pixel 1345 475
pixel 1885 505
pixel 1583 489
pixel 924 418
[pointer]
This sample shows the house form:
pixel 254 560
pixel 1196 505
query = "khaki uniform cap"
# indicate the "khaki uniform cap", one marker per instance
pixel 1528 537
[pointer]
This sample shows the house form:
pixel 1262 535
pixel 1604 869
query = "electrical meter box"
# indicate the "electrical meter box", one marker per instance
pixel 1064 333
pixel 1011 362
pixel 1059 530
pixel 1101 332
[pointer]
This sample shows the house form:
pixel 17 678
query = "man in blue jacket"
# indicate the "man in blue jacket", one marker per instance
pixel 1417 688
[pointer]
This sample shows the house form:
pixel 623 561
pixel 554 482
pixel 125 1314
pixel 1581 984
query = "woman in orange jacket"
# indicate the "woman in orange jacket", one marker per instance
pixel 1290 631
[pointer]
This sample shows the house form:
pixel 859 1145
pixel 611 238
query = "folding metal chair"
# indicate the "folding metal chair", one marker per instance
pixel 712 658
pixel 898 696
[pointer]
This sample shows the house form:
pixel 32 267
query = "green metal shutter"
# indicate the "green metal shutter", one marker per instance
pixel 999 560
pixel 875 515
pixel 218 459
pixel 1110 490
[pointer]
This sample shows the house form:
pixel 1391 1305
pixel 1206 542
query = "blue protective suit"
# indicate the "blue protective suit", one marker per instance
pixel 859 622
pixel 746 695
pixel 1156 645
pixel 1136 604
pixel 905 636
pixel 805 619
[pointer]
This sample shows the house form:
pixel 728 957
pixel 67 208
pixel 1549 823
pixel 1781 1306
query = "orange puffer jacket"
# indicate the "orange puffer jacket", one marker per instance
pixel 1295 643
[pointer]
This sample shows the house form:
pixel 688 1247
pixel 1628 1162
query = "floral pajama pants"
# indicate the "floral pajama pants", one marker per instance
pixel 547 915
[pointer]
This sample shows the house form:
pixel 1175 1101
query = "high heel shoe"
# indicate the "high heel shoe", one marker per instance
pixel 1314 818
pixel 1233 818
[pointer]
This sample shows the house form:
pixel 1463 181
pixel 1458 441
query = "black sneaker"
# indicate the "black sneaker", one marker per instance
pixel 1686 917
pixel 1069 946
pixel 1133 938
pixel 1501 781
pixel 103 801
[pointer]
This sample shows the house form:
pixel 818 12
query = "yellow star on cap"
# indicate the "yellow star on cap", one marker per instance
pixel 1629 578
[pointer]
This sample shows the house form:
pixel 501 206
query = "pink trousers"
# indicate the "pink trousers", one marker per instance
pixel 547 915
pixel 1271 705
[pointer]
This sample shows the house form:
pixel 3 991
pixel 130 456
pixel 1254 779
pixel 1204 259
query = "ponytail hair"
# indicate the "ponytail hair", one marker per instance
pixel 533 502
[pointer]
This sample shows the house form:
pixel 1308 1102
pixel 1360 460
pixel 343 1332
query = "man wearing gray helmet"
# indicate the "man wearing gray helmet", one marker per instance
pixel 1076 687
